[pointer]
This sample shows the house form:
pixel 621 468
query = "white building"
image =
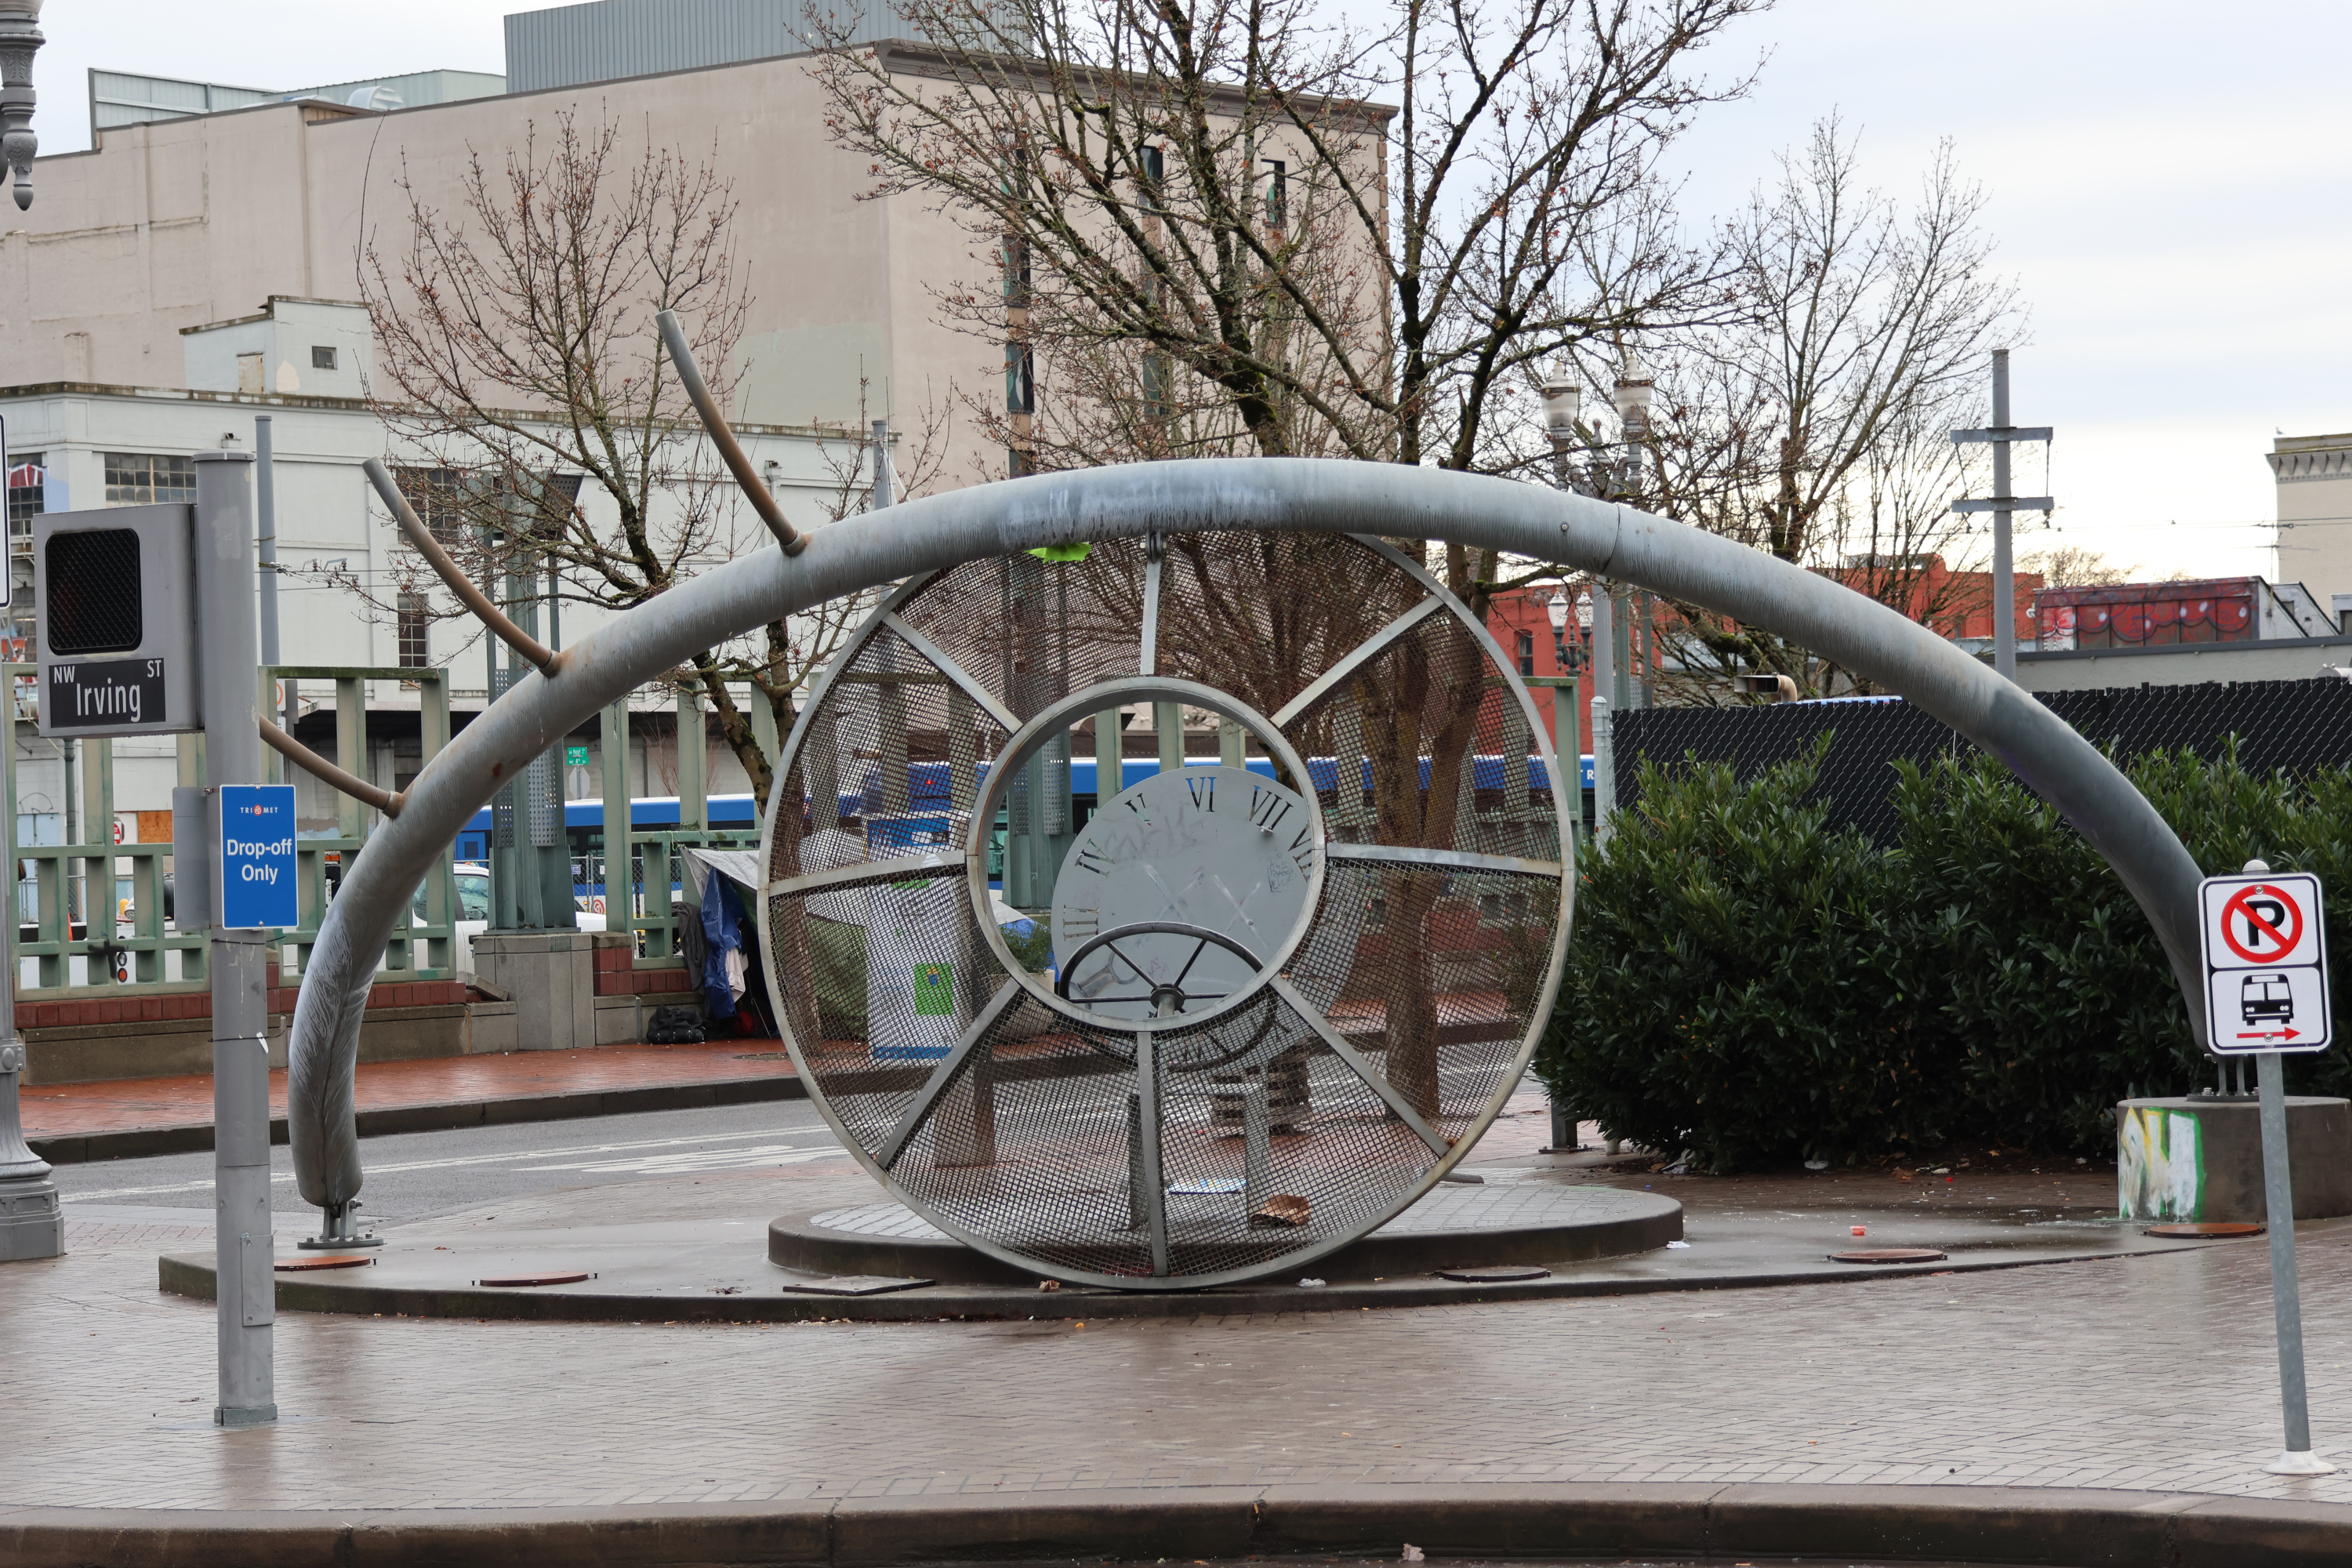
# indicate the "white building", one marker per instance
pixel 80 445
pixel 2315 514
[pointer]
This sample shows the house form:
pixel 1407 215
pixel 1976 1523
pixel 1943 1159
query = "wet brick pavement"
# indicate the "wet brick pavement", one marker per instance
pixel 2146 1373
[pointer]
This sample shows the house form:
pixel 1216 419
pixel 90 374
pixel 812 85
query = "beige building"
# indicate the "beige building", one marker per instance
pixel 181 222
pixel 2315 514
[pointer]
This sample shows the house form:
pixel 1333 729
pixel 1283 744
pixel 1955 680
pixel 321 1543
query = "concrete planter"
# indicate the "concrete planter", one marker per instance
pixel 2201 1159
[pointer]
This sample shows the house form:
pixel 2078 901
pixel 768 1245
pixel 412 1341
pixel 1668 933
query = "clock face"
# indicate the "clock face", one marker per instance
pixel 1224 854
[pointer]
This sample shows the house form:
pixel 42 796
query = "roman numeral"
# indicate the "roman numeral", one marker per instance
pixel 1302 851
pixel 1083 923
pixel 1092 860
pixel 1204 794
pixel 1266 808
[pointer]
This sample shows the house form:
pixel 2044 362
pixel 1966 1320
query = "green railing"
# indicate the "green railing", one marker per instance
pixel 426 949
pixel 653 864
pixel 102 903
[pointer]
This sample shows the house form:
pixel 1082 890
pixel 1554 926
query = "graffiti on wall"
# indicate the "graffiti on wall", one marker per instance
pixel 2159 1164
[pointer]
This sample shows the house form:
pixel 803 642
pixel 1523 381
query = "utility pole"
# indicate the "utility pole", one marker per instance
pixel 265 494
pixel 882 475
pixel 2003 435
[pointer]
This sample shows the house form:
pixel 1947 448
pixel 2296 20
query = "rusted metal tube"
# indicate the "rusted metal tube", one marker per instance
pixel 542 657
pixel 714 423
pixel 318 767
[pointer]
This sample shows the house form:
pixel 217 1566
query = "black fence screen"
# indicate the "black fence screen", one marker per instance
pixel 2295 725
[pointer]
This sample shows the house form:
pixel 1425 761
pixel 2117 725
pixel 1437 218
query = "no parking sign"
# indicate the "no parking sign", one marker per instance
pixel 2265 962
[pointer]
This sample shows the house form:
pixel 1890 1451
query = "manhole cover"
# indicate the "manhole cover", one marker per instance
pixel 2204 1227
pixel 341 1260
pixel 1498 1274
pixel 1888 1255
pixel 554 1276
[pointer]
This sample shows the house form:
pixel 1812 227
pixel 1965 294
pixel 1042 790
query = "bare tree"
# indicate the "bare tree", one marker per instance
pixel 2075 566
pixel 1816 426
pixel 1202 219
pixel 517 358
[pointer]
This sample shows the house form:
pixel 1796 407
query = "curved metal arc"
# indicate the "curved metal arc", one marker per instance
pixel 1295 494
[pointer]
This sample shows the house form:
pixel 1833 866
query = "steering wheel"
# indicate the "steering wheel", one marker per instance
pixel 1166 998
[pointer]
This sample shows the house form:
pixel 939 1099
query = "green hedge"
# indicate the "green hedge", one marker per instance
pixel 1752 986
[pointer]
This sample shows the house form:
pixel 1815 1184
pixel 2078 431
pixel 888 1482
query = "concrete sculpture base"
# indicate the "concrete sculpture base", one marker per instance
pixel 2201 1157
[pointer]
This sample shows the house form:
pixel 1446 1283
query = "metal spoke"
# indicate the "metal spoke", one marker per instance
pixel 938 863
pixel 1373 1078
pixel 1148 663
pixel 1147 1090
pixel 953 672
pixel 1450 860
pixel 886 1154
pixel 1198 948
pixel 1357 658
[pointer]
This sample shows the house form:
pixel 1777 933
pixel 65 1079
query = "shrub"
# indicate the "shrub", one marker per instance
pixel 1750 986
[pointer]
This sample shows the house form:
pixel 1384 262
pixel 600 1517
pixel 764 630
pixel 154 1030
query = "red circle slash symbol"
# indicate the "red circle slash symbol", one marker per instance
pixel 2272 921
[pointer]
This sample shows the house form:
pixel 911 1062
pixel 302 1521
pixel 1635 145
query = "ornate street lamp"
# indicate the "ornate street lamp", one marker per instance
pixel 1556 612
pixel 20 35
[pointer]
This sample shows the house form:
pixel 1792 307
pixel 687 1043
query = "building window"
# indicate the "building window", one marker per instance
pixel 1018 272
pixel 249 374
pixel 1020 379
pixel 29 484
pixel 1277 195
pixel 322 357
pixel 1158 387
pixel 143 478
pixel 437 496
pixel 1527 653
pixel 1155 175
pixel 413 622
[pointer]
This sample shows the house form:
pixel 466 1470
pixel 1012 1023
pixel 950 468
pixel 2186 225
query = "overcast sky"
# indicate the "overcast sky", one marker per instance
pixel 2166 178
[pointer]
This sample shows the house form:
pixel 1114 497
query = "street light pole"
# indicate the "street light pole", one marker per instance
pixel 32 1224
pixel 20 40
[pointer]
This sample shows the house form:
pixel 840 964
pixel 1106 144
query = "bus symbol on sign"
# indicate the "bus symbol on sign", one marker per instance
pixel 2265 962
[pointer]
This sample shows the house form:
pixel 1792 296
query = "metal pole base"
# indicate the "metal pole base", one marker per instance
pixel 338 1229
pixel 32 1221
pixel 244 1415
pixel 2303 1464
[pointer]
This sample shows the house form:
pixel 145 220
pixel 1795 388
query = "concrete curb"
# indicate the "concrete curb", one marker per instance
pixel 2023 1525
pixel 196 1137
pixel 353 1292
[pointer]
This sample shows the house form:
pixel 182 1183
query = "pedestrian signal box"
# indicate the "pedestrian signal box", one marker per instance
pixel 114 603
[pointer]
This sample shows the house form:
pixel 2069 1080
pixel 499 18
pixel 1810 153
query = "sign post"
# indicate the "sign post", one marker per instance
pixel 2266 995
pixel 256 820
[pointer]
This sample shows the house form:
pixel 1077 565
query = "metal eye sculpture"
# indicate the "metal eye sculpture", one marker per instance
pixel 1255 1001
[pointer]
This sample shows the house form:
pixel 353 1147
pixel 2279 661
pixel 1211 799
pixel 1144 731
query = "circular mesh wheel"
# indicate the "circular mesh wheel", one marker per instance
pixel 1312 924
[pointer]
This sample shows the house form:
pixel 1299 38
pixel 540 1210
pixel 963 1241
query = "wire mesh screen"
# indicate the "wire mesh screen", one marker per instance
pixel 1332 1067
pixel 2290 725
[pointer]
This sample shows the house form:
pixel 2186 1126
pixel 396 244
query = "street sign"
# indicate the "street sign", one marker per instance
pixel 2265 962
pixel 114 595
pixel 256 857
pixel 576 756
